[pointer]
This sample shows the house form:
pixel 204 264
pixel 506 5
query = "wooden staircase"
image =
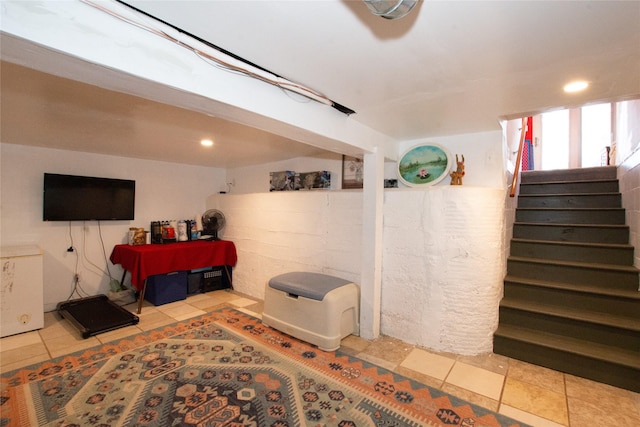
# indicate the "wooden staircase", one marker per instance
pixel 571 300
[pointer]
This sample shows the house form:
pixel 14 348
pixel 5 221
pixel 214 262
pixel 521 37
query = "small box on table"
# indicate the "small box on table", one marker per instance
pixel 165 288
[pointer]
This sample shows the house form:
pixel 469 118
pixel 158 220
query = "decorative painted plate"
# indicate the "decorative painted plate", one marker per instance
pixel 424 165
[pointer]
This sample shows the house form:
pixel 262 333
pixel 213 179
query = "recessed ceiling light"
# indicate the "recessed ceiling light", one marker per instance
pixel 206 142
pixel 576 86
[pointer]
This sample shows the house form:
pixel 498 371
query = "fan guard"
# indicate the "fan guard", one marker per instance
pixel 212 221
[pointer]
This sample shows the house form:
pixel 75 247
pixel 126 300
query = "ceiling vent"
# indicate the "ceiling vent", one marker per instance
pixel 390 9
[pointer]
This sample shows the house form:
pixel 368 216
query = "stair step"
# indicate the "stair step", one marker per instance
pixel 597 328
pixel 587 329
pixel 573 345
pixel 582 174
pixel 590 233
pixel 571 295
pixel 587 200
pixel 566 298
pixel 573 251
pixel 610 292
pixel 570 187
pixel 606 364
pixel 606 275
pixel 611 320
pixel 578 264
pixel 572 216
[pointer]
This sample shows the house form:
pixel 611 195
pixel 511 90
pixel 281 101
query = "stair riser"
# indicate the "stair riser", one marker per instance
pixel 605 255
pixel 612 200
pixel 611 279
pixel 602 371
pixel 569 216
pixel 592 332
pixel 564 175
pixel 595 234
pixel 570 187
pixel 621 306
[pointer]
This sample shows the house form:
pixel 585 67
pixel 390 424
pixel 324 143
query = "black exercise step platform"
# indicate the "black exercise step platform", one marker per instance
pixel 95 315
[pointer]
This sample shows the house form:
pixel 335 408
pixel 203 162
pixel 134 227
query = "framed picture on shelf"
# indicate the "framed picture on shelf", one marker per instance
pixel 283 181
pixel 315 180
pixel 424 165
pixel 352 172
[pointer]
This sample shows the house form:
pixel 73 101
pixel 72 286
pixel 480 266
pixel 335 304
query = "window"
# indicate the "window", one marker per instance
pixel 555 140
pixel 596 133
pixel 575 138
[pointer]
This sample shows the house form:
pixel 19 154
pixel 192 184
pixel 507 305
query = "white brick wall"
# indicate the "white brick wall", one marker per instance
pixel 629 177
pixel 279 232
pixel 628 161
pixel 443 267
pixel 442 258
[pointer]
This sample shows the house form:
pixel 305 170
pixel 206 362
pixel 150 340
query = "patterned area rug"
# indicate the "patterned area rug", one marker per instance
pixel 224 369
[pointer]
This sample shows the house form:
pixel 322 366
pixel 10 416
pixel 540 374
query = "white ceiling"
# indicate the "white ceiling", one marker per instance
pixel 448 67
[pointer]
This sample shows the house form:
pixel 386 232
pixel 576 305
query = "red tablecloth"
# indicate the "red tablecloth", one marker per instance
pixel 148 260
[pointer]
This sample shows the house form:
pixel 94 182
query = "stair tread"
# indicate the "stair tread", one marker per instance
pixel 608 193
pixel 606 319
pixel 610 292
pixel 556 224
pixel 567 243
pixel 572 345
pixel 588 265
pixel 591 173
pixel 543 208
pixel 577 181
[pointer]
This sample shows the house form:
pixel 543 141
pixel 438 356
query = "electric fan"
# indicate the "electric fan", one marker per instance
pixel 212 221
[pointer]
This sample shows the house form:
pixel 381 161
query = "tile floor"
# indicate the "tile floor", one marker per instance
pixel 531 394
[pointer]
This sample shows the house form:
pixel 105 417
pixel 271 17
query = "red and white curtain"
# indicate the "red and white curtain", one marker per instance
pixel 527 148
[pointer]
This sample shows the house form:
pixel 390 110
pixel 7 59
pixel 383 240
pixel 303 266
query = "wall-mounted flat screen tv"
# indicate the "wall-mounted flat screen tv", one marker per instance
pixel 84 198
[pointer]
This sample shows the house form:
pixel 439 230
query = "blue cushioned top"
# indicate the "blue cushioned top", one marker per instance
pixel 308 285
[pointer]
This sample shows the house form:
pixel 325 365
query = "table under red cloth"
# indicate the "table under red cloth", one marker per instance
pixel 148 260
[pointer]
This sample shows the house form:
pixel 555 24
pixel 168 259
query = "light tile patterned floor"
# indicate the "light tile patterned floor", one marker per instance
pixel 532 394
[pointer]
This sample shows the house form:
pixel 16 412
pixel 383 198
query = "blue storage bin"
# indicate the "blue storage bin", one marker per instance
pixel 166 288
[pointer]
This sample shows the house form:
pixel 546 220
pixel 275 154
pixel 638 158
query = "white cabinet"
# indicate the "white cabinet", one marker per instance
pixel 21 298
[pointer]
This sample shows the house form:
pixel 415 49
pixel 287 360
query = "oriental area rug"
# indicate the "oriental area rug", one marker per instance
pixel 224 369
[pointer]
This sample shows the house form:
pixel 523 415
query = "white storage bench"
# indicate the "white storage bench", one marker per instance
pixel 313 307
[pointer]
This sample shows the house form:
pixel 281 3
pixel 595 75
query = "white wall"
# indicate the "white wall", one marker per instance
pixel 484 165
pixel 483 153
pixel 163 191
pixel 442 261
pixel 511 142
pixel 628 162
pixel 255 179
pixel 629 176
pixel 285 231
pixel 443 266
pixel 443 246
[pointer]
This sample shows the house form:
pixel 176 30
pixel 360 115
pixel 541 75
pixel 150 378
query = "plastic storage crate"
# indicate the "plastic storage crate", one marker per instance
pixel 165 288
pixel 209 279
pixel 313 307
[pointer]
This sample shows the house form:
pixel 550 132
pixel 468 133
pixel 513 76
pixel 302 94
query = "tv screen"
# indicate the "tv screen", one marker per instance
pixel 83 198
